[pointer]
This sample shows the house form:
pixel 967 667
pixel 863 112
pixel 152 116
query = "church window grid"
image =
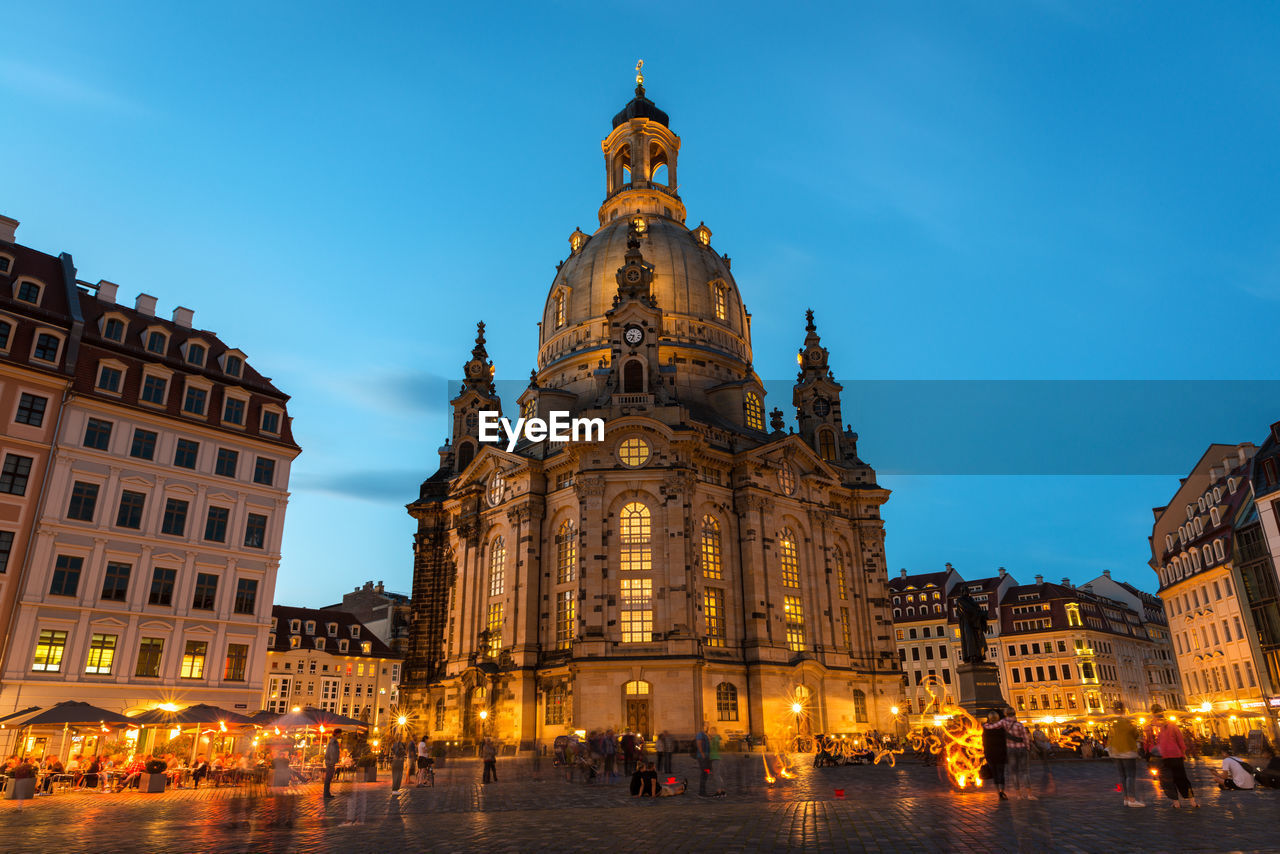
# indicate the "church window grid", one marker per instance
pixel 554 715
pixel 754 411
pixel 636 613
pixel 726 701
pixel 711 548
pixel 790 563
pixel 566 619
pixel 633 452
pixel 787 478
pixel 713 612
pixel 566 553
pixel 497 486
pixel 842 582
pixel 826 444
pixel 493 626
pixel 845 637
pixel 793 617
pixel 720 299
pixel 497 566
pixel 560 318
pixel 635 530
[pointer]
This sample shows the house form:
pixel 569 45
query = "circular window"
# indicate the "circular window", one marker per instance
pixel 497 487
pixel 787 478
pixel 633 452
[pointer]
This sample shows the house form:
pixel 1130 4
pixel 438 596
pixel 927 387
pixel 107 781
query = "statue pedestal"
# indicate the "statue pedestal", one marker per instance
pixel 979 689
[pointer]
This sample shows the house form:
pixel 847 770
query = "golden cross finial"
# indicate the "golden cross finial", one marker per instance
pixel 640 73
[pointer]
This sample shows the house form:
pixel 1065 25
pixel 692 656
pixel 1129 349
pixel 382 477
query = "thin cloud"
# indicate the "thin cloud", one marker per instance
pixel 40 83
pixel 381 487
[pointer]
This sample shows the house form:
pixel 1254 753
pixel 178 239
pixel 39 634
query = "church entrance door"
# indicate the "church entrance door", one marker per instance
pixel 638 717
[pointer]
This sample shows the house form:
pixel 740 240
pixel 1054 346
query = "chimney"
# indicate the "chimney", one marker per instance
pixel 949 567
pixel 1106 573
pixel 182 316
pixel 904 572
pixel 8 225
pixel 146 304
pixel 1039 579
pixel 1066 582
pixel 107 290
pixel 1003 572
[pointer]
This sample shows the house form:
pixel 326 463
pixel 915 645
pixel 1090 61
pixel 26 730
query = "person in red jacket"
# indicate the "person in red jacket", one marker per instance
pixel 1164 738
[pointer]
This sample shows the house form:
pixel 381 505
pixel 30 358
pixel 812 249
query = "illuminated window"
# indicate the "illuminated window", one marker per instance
pixel 566 618
pixel 727 701
pixel 710 547
pixel 555 705
pixel 793 616
pixel 566 553
pixel 755 411
pixel 440 714
pixel 49 649
pixel 787 478
pixel 841 580
pixel 713 611
pixel 636 688
pixel 497 566
pixel 635 530
pixel 633 452
pixel 790 565
pixel 494 626
pixel 718 293
pixel 827 444
pixel 636 610
pixel 102 653
pixel 1073 615
pixel 193 660
pixel 859 706
pixel 497 486
pixel 844 629
pixel 559 309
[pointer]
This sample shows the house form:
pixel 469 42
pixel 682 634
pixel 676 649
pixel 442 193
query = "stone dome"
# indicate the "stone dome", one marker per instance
pixel 686 276
pixel 641 107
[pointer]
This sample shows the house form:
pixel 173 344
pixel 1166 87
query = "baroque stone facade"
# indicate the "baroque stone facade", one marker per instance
pixel 696 567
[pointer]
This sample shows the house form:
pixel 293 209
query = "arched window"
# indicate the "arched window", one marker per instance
pixel 566 553
pixel 636 688
pixel 555 705
pixel 720 300
pixel 842 582
pixel 859 706
pixel 727 701
pixel 440 714
pixel 559 309
pixel 710 547
pixel 635 533
pixel 787 557
pixel 633 377
pixel 622 167
pixel 497 487
pixel 497 566
pixel 6 332
pixel 1219 550
pixel 755 411
pixel 827 444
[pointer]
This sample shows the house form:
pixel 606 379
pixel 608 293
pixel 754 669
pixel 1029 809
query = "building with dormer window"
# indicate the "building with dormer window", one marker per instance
pixel 700 566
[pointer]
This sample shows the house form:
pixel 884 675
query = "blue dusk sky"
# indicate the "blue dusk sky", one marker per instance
pixel 1044 191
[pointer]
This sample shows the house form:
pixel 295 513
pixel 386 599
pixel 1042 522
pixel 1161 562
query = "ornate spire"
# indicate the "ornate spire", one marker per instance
pixel 812 357
pixel 478 371
pixel 640 78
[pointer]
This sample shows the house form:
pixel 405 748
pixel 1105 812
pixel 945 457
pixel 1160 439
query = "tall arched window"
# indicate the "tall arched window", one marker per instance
pixel 497 566
pixel 710 547
pixel 755 411
pixel 827 444
pixel 790 564
pixel 439 714
pixel 859 706
pixel 633 377
pixel 466 453
pixel 555 705
pixel 635 533
pixel 566 553
pixel 727 701
pixel 559 309
pixel 842 581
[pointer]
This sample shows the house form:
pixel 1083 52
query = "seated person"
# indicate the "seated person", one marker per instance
pixel 199 771
pixel 90 778
pixel 670 790
pixel 52 768
pixel 648 780
pixel 1235 774
pixel 133 772
pixel 1269 775
pixel 637 780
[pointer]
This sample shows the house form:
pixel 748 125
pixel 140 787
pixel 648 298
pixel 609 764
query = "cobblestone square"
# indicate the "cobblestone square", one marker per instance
pixel 532 808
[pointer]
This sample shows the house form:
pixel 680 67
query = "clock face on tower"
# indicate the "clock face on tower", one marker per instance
pixel 821 407
pixel 633 335
pixel 633 275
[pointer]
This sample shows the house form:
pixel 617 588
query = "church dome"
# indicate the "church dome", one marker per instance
pixel 641 107
pixel 692 286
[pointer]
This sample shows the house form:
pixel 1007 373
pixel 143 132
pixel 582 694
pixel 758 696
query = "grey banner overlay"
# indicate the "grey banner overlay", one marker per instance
pixel 1034 427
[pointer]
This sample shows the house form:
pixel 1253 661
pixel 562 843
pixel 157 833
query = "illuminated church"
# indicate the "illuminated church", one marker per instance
pixel 701 566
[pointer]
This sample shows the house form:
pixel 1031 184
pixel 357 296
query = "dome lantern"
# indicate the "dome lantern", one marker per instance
pixel 640 161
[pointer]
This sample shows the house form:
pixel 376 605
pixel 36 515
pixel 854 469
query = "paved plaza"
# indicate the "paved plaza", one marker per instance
pixel 902 809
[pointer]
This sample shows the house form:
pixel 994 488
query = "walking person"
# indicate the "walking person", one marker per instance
pixel 1122 743
pixel 1166 738
pixel 489 753
pixel 702 751
pixel 628 753
pixel 664 752
pixel 398 754
pixel 424 761
pixel 331 754
pixel 1018 745
pixel 995 751
pixel 609 750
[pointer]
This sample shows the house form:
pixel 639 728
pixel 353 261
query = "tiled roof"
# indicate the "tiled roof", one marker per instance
pixel 322 617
